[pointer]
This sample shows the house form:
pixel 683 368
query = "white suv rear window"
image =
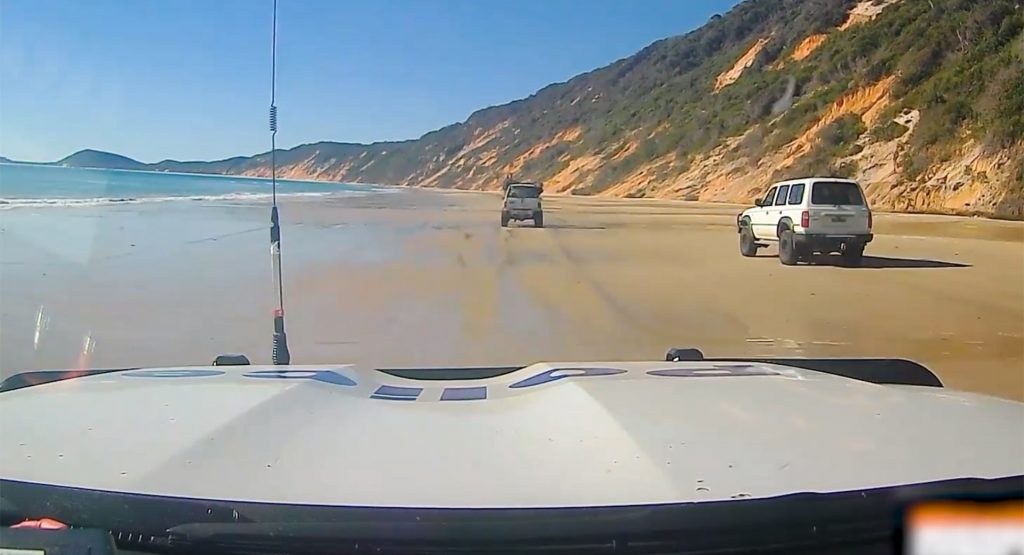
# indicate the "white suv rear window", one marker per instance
pixel 840 193
pixel 524 192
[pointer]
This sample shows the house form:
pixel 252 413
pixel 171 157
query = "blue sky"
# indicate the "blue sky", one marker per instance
pixel 189 79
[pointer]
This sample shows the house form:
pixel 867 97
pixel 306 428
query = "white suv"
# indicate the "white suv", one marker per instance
pixel 811 215
pixel 522 202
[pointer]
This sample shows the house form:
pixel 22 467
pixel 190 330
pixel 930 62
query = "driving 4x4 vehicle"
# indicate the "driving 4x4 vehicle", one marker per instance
pixel 811 215
pixel 522 202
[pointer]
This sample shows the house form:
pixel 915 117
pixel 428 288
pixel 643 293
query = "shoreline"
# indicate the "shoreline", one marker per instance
pixel 952 214
pixel 188 174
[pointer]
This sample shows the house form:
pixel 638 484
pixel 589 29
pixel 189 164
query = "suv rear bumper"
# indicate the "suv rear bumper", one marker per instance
pixel 521 214
pixel 823 242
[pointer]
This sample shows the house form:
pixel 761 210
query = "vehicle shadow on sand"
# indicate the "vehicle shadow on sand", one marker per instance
pixel 882 262
pixel 875 262
pixel 574 226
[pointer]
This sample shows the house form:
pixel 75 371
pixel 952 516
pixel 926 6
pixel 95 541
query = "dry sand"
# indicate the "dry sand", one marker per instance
pixel 423 278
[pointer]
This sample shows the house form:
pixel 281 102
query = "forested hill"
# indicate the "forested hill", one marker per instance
pixel 923 100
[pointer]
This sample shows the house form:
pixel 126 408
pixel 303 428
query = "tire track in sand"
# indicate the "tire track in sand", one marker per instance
pixel 586 314
pixel 616 306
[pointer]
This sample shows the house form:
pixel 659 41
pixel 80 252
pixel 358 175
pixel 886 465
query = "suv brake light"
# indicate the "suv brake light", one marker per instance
pixel 805 219
pixel 870 219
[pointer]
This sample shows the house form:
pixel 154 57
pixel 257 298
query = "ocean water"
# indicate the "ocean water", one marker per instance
pixel 76 244
pixel 23 185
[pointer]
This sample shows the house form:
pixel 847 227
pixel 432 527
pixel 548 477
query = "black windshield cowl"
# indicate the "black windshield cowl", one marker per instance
pixel 850 521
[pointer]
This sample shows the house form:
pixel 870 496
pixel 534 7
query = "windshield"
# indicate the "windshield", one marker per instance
pixel 524 192
pixel 261 222
pixel 836 193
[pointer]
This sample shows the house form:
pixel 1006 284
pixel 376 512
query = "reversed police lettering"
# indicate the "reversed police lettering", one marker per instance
pixel 714 371
pixel 172 373
pixel 324 376
pixel 397 393
pixel 464 394
pixel 556 374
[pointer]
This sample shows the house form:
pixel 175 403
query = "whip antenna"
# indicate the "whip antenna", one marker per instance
pixel 280 355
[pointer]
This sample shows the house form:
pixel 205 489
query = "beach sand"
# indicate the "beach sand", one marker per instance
pixel 428 278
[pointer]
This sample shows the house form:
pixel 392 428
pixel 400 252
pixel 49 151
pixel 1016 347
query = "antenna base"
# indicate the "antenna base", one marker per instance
pixel 280 355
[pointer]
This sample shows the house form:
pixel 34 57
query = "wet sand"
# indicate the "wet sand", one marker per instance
pixel 424 278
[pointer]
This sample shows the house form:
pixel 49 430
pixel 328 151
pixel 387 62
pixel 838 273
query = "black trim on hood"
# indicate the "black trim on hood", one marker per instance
pixel 883 371
pixel 861 519
pixel 40 377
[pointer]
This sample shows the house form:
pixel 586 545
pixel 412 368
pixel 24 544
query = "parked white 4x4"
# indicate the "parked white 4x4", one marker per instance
pixel 812 215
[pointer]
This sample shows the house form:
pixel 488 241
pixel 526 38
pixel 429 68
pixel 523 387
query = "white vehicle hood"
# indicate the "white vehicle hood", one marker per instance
pixel 548 435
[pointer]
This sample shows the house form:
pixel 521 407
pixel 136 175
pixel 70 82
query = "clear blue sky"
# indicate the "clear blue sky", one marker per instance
pixel 189 79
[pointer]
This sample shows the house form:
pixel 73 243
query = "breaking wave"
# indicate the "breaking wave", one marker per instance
pixel 8 203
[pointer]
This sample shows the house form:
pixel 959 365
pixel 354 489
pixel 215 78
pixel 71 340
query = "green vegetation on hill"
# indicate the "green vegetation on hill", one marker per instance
pixel 836 140
pixel 98 159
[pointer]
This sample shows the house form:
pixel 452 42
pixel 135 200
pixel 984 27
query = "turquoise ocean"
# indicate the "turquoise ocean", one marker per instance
pixel 28 185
